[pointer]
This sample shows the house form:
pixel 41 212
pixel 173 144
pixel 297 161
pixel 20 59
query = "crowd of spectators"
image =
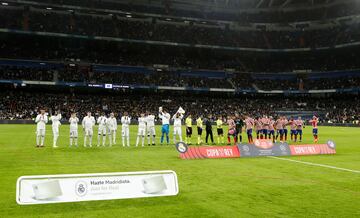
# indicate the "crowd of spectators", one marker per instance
pixel 177 79
pixel 18 46
pixel 24 104
pixel 26 73
pixel 84 75
pixel 333 83
pixel 114 26
pixel 276 84
pixel 232 13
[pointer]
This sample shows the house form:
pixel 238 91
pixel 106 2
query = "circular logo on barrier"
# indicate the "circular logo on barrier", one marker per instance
pixel 263 143
pixel 181 147
pixel 246 148
pixel 331 144
pixel 81 188
pixel 282 147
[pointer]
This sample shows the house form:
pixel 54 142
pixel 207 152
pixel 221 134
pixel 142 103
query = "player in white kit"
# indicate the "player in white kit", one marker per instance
pixel 55 119
pixel 112 127
pixel 125 122
pixel 41 121
pixel 150 128
pixel 177 126
pixel 88 123
pixel 165 119
pixel 141 130
pixel 73 129
pixel 101 121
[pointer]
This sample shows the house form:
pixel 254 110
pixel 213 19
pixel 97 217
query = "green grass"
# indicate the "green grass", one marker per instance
pixel 246 187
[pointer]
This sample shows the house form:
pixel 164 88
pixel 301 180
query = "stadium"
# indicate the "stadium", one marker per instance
pixel 178 108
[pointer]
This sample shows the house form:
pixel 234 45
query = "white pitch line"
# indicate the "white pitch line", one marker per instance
pixel 315 164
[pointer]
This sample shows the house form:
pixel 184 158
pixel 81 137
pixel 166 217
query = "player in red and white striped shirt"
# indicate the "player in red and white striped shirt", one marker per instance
pixel 314 123
pixel 249 124
pixel 258 127
pixel 231 129
pixel 279 126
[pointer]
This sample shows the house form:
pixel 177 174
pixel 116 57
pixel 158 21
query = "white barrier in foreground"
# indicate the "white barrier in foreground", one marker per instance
pixel 98 186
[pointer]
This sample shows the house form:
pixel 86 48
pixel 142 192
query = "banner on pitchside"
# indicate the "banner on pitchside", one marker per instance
pixel 101 186
pixel 259 148
pixel 201 152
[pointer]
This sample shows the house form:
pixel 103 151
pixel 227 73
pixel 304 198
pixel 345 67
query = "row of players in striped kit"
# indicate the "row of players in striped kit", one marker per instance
pixel 268 127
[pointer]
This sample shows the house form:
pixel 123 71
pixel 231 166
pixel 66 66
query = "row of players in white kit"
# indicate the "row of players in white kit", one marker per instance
pixel 107 127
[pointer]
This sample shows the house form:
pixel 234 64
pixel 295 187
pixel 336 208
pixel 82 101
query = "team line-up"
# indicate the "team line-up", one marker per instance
pixel 264 126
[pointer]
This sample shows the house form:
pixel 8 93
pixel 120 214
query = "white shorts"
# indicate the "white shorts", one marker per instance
pixel 125 131
pixel 102 130
pixel 73 133
pixel 177 130
pixel 89 132
pixel 40 132
pixel 141 131
pixel 55 131
pixel 151 130
pixel 111 131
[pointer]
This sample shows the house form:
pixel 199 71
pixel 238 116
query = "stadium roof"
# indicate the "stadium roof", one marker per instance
pixel 240 4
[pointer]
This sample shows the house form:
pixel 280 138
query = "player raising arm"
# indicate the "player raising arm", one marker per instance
pixel 41 121
pixel 55 119
pixel 165 119
pixel 177 126
pixel 88 123
pixel 73 129
pixel 314 122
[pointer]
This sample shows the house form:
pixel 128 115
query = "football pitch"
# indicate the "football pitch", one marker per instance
pixel 240 187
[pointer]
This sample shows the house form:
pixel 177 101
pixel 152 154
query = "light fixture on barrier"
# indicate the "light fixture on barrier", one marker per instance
pixel 46 190
pixel 155 184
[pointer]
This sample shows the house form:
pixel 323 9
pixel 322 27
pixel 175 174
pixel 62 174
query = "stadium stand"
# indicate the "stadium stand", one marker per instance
pixel 293 59
pixel 242 11
pixel 23 103
pixel 144 29
pixel 127 75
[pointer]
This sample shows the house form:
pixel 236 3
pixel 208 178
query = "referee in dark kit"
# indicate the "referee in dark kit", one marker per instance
pixel 208 129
